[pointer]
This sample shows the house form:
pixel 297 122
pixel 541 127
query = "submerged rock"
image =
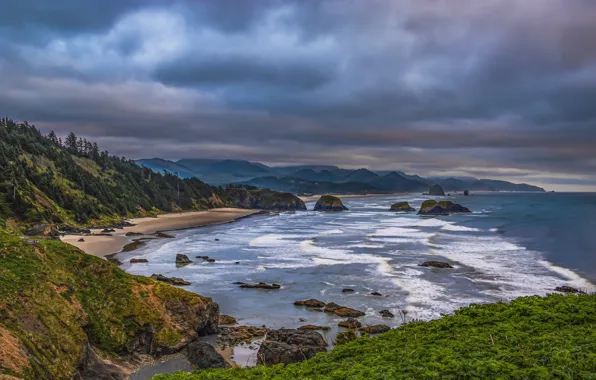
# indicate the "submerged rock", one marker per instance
pixel 350 323
pixel 170 280
pixel 436 190
pixel 435 264
pixel 260 285
pixel 329 203
pixel 202 355
pixel 386 314
pixel 402 206
pixel 432 207
pixel 182 259
pixel 374 329
pixel 310 303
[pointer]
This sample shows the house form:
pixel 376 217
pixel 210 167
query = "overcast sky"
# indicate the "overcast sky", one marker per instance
pixel 502 89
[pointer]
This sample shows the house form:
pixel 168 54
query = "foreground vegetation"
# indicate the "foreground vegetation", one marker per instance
pixel 57 303
pixel 529 338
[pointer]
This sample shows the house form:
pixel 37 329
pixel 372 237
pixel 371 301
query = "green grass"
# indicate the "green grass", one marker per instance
pixel 529 338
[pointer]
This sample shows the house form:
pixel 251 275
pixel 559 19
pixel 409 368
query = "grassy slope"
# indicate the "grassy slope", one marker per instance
pixel 529 338
pixel 54 298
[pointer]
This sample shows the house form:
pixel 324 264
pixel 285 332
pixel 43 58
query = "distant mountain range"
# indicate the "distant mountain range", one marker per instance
pixel 318 179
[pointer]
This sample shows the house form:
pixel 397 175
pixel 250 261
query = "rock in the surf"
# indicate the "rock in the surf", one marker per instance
pixel 432 207
pixel 329 203
pixel 376 294
pixel 436 264
pixel 386 314
pixel 374 329
pixel 182 259
pixel 402 206
pixel 568 289
pixel 466 193
pixel 347 290
pixel 202 355
pixel 310 303
pixel 135 261
pixel 436 190
pixel 350 323
pixel 170 280
pixel 342 311
pixel 260 285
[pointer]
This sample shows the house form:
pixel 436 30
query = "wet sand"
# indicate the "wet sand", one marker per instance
pixel 107 245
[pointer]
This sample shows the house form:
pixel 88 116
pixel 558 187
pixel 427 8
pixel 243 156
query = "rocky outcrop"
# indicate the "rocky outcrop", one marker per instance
pixel 265 199
pixel 182 259
pixel 386 314
pixel 169 280
pixel 260 285
pixel 374 329
pixel 342 311
pixel 329 203
pixel 313 303
pixel 238 334
pixel 202 355
pixel 288 346
pixel 350 323
pixel 136 260
pixel 568 289
pixel 436 190
pixel 314 327
pixel 227 320
pixel 436 264
pixel 42 229
pixel 432 207
pixel 401 207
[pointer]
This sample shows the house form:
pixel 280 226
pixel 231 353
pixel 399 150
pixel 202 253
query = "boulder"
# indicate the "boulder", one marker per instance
pixel 272 352
pixel 133 234
pixel 310 303
pixel 386 314
pixel 313 327
pixel 108 230
pixel 466 193
pixel 402 206
pixel 135 261
pixel 227 320
pixel 568 289
pixel 169 280
pixel 436 264
pixel 260 285
pixel 210 260
pixel 329 203
pixel 374 329
pixel 342 311
pixel 350 323
pixel 203 257
pixel 202 355
pixel 376 294
pixel 436 190
pixel 297 337
pixel 347 290
pixel 432 207
pixel 182 259
pixel 81 240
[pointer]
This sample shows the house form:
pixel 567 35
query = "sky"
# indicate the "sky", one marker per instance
pixel 502 89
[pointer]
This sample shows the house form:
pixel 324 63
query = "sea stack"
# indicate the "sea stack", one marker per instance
pixel 402 206
pixel 432 207
pixel 436 190
pixel 329 203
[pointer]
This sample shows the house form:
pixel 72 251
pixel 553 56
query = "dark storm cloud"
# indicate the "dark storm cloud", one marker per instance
pixel 497 88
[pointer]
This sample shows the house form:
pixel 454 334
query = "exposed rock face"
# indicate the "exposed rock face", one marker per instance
pixel 290 346
pixel 310 303
pixel 329 203
pixel 202 355
pixel 227 320
pixel 350 323
pixel 342 311
pixel 313 327
pixel 237 334
pixel 135 260
pixel 436 190
pixel 435 264
pixel 182 259
pixel 386 314
pixel 265 199
pixel 260 285
pixel 42 229
pixel 169 280
pixel 374 329
pixel 432 207
pixel 402 206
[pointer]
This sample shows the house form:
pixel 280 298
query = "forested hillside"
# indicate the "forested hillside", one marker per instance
pixel 43 178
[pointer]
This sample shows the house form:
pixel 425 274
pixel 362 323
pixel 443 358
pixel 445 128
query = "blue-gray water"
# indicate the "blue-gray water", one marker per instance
pixel 510 245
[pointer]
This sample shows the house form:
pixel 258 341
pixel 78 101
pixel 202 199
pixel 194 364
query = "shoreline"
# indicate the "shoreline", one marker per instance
pixel 312 198
pixel 103 246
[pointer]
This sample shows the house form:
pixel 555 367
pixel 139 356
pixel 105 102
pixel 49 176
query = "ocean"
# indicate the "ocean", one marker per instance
pixel 511 245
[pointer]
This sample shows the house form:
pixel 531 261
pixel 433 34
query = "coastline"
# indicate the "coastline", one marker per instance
pixel 103 246
pixel 312 198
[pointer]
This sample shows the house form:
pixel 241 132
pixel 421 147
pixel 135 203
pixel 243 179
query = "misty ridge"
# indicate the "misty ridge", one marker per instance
pixel 319 179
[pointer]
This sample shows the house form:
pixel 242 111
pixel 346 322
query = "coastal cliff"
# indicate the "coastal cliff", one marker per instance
pixel 65 314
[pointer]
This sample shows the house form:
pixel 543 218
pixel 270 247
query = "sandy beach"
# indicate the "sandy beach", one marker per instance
pixel 106 245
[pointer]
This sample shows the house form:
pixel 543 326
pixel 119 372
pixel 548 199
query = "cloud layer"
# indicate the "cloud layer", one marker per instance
pixel 494 88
